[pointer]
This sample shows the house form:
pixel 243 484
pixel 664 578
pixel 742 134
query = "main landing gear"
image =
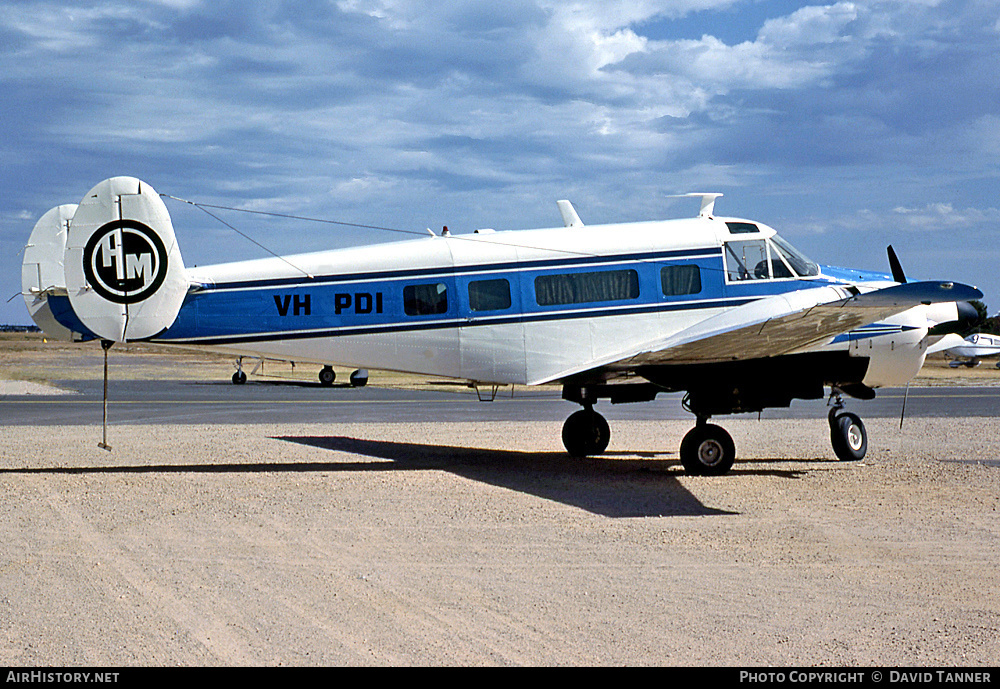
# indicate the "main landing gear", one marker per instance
pixel 327 376
pixel 586 433
pixel 708 449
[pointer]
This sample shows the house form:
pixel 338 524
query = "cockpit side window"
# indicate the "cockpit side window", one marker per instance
pixel 747 260
pixel 765 259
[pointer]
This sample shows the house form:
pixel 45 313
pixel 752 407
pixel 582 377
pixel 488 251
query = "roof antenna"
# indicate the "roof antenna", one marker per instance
pixel 707 201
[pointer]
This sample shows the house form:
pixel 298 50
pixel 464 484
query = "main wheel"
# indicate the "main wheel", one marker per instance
pixel 586 433
pixel 239 378
pixel 359 378
pixel 848 436
pixel 707 450
pixel 327 376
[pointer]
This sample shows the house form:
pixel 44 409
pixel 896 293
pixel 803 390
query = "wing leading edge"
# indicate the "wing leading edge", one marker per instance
pixel 777 325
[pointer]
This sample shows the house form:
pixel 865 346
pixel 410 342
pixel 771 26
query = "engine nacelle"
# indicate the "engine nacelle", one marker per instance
pixel 896 355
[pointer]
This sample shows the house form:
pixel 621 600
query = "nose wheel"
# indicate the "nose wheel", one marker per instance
pixel 848 436
pixel 847 432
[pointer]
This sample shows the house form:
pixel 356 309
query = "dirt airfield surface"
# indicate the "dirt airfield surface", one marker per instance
pixel 484 544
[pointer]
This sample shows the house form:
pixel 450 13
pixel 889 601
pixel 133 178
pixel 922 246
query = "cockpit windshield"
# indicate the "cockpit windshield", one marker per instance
pixel 765 259
pixel 796 259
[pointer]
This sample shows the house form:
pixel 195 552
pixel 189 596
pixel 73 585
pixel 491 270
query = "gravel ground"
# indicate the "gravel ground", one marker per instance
pixel 462 544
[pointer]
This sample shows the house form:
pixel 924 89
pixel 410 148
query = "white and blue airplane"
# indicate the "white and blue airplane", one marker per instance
pixel 723 309
pixel 971 350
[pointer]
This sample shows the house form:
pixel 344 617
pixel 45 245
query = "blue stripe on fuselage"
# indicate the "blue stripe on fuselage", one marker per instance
pixel 372 302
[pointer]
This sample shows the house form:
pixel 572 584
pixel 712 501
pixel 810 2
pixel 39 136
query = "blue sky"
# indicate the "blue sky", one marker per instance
pixel 846 126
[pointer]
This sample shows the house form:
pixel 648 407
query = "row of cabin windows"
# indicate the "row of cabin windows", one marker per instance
pixel 553 290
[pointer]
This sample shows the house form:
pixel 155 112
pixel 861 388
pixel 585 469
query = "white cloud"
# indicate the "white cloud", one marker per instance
pixel 404 108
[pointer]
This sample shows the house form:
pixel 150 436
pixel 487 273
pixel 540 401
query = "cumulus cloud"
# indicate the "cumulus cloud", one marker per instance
pixel 395 111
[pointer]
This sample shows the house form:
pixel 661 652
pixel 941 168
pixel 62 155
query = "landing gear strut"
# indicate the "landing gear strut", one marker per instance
pixel 707 450
pixel 239 378
pixel 586 433
pixel 847 433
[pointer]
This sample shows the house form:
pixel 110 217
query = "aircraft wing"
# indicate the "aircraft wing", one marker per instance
pixel 946 343
pixel 778 325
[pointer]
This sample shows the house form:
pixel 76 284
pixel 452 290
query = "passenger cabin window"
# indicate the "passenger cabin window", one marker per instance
pixel 580 288
pixel 489 295
pixel 742 228
pixel 678 280
pixel 425 300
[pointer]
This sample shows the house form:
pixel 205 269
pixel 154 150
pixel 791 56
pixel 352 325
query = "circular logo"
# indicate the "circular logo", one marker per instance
pixel 124 261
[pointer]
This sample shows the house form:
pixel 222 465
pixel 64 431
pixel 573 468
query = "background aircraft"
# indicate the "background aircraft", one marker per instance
pixel 721 308
pixel 971 350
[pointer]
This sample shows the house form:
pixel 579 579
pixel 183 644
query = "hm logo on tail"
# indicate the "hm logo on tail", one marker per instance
pixel 125 261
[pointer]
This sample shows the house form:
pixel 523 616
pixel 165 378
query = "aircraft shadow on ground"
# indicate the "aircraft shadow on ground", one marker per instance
pixel 618 484
pixel 634 485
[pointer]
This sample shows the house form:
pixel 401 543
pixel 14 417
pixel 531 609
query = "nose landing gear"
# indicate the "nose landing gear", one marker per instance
pixel 847 432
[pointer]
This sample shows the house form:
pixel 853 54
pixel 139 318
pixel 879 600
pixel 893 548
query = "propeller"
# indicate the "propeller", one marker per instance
pixel 968 317
pixel 967 313
pixel 894 265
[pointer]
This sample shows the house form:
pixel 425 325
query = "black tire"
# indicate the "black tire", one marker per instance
pixel 707 450
pixel 359 378
pixel 239 378
pixel 848 437
pixel 586 433
pixel 327 376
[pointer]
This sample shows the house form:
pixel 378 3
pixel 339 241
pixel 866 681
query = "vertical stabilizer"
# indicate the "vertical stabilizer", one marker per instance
pixel 124 273
pixel 42 274
pixel 569 216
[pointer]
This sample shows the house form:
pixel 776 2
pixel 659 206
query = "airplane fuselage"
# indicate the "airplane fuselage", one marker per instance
pixel 496 307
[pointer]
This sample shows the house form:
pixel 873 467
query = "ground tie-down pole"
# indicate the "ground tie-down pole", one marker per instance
pixel 105 345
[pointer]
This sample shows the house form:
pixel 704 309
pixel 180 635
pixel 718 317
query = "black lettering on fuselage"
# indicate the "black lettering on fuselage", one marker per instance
pixel 282 303
pixel 363 302
pixel 341 302
pixel 300 303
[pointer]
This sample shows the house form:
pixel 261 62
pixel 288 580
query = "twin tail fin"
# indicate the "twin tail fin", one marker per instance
pixel 114 257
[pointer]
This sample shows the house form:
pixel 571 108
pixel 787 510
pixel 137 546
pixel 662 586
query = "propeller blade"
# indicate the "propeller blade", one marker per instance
pixel 897 269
